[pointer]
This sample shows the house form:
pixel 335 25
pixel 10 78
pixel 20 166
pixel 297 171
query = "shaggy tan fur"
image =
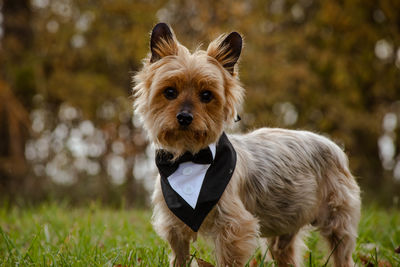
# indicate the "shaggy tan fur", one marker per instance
pixel 284 180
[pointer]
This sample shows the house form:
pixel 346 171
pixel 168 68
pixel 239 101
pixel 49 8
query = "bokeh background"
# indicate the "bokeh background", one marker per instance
pixel 67 130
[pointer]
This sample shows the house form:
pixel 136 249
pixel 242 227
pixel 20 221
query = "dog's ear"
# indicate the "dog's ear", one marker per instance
pixel 162 42
pixel 226 49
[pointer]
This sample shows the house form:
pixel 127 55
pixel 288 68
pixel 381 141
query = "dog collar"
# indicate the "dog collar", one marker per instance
pixel 193 184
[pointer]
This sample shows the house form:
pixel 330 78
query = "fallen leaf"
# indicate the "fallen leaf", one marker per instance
pixel 253 263
pixel 365 261
pixel 203 263
pixel 368 262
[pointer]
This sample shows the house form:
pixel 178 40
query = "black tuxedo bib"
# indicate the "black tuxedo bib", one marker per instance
pixel 216 178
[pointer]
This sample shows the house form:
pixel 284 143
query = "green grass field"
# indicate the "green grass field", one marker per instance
pixel 58 235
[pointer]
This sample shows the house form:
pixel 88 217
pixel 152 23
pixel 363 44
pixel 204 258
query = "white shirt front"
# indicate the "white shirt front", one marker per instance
pixel 188 179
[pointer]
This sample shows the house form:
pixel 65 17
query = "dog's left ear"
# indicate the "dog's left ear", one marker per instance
pixel 226 49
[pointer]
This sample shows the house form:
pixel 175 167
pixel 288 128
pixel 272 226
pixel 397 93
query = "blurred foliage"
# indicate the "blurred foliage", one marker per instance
pixel 328 66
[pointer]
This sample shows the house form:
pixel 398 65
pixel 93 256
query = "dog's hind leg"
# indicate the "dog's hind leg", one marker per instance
pixel 286 250
pixel 340 231
pixel 338 218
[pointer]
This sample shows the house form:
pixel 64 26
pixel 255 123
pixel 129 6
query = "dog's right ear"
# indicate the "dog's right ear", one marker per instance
pixel 162 42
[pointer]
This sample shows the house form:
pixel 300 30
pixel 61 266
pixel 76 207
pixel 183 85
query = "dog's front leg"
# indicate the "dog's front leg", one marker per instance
pixel 180 244
pixel 171 229
pixel 235 233
pixel 178 236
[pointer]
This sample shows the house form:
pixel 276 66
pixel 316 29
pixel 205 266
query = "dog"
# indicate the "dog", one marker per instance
pixel 267 183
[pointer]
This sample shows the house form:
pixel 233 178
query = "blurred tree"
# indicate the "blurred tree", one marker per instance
pixel 14 122
pixel 69 64
pixel 326 66
pixel 18 35
pixel 14 118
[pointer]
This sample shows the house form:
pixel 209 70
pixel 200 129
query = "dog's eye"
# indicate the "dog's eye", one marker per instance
pixel 170 93
pixel 206 96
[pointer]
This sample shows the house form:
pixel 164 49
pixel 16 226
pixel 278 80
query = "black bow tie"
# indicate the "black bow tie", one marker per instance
pixel 166 166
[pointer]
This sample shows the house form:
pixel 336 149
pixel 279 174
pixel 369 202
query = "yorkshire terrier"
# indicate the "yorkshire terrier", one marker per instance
pixel 235 188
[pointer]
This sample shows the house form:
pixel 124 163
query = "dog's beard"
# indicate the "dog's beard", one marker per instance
pixel 180 140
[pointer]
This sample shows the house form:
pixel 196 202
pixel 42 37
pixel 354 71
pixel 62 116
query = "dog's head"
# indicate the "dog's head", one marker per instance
pixel 185 100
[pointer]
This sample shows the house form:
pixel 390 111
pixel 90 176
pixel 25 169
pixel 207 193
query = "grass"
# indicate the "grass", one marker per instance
pixel 57 235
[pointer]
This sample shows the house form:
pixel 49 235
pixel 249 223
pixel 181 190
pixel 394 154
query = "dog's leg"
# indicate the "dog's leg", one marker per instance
pixel 236 232
pixel 342 246
pixel 338 218
pixel 171 229
pixel 341 232
pixel 180 244
pixel 286 249
pixel 178 236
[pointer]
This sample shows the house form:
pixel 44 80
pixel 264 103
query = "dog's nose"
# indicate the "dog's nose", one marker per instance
pixel 184 118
